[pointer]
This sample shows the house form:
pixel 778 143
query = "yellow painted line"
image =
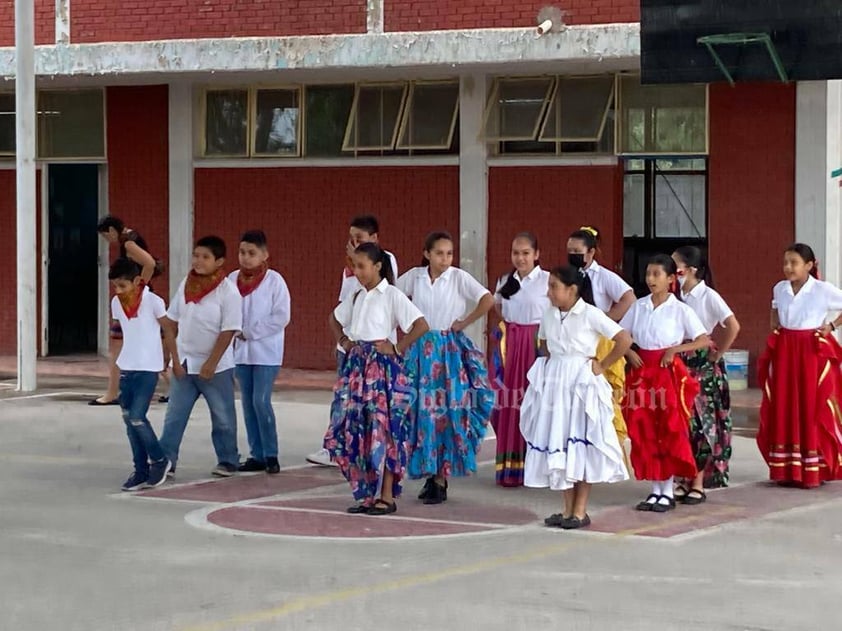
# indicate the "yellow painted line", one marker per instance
pixel 330 598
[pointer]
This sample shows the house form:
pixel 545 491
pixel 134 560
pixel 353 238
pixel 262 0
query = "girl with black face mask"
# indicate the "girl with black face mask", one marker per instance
pixel 614 297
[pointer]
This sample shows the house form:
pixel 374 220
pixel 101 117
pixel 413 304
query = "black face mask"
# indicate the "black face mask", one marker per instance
pixel 576 260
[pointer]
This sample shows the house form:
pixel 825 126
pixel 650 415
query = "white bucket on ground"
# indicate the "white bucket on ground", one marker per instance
pixel 736 364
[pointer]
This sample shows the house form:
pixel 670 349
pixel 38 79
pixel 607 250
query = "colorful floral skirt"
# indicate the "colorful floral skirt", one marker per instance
pixel 657 408
pixel 800 433
pixel 710 425
pixel 369 421
pixel 518 357
pixel 453 406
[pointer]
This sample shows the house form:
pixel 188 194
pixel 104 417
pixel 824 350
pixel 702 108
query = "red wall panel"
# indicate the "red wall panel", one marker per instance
pixel 139 20
pixel 751 198
pixel 430 15
pixel 305 213
pixel 45 22
pixel 138 166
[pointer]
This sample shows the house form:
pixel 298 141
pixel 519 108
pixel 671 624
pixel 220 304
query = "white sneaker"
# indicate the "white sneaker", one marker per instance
pixel 321 458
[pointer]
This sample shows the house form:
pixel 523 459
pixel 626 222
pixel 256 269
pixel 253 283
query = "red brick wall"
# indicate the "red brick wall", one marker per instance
pixel 429 15
pixel 137 20
pixel 305 213
pixel 138 165
pixel 45 22
pixel 752 198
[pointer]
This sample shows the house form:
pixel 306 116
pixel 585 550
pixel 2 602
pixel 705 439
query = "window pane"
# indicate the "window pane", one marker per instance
pixel 226 123
pixel 71 124
pixel 579 109
pixel 634 205
pixel 680 206
pixel 377 116
pixel 277 123
pixel 516 112
pixel 662 118
pixel 328 109
pixel 681 164
pixel 7 123
pixel 429 118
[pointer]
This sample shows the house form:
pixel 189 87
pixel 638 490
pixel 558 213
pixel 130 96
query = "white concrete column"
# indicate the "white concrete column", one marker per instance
pixel 180 181
pixel 27 211
pixel 62 21
pixel 374 15
pixel 473 187
pixel 818 151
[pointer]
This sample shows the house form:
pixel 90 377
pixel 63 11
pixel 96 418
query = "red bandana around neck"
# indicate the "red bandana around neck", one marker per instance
pixel 249 279
pixel 130 301
pixel 198 286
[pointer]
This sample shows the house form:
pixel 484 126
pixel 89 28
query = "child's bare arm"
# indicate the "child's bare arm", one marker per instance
pixel 223 341
pixel 142 258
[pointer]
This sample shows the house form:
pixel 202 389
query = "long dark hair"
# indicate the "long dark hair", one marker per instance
pixel 572 276
pixel 512 286
pixel 692 256
pixel 378 255
pixel 431 241
pixel 806 252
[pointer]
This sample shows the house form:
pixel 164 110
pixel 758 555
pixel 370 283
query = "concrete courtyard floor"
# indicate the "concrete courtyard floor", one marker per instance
pixel 260 553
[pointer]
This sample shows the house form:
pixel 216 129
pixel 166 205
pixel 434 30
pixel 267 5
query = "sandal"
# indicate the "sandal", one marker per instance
pixel 358 509
pixel 382 508
pixel 681 491
pixel 646 505
pixel 660 507
pixel 695 497
pixel 555 520
pixel 574 522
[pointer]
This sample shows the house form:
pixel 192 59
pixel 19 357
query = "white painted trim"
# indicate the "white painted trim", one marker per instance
pixel 598 44
pixel 103 327
pixel 181 181
pixel 557 161
pixel 397 161
pixel 62 21
pixel 374 17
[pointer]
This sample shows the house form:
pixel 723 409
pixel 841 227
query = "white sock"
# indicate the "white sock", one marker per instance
pixel 656 491
pixel 668 487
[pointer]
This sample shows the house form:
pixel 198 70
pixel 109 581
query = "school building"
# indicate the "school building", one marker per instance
pixel 190 117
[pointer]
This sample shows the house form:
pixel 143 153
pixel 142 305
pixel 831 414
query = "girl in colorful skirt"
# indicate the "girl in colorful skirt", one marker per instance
pixel 521 300
pixel 567 415
pixel 372 398
pixel 455 399
pixel 800 434
pixel 710 426
pixel 659 391
pixel 614 297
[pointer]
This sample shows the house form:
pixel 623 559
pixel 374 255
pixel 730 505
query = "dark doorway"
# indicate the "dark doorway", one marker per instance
pixel 73 260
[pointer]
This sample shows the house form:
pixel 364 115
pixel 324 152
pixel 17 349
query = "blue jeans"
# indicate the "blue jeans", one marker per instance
pixel 136 390
pixel 219 395
pixel 256 386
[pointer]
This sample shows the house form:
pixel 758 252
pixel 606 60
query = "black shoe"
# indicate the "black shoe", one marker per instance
pixel 574 522
pixel 171 473
pixel 382 508
pixel 647 504
pixel 357 509
pixel 251 465
pixel 427 488
pixel 436 495
pixel 224 470
pixel 158 473
pixel 272 466
pixel 662 507
pixel 555 520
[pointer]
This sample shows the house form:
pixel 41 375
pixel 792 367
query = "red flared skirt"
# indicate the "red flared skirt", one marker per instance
pixel 657 406
pixel 800 435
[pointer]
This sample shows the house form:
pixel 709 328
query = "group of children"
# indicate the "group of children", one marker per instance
pixel 583 366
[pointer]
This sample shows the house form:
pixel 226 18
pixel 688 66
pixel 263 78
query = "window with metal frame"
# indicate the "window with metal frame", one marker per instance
pixel 661 119
pixel 226 123
pixel 71 124
pixel 429 118
pixel 276 113
pixel 579 109
pixel 375 117
pixel 516 108
pixel 7 124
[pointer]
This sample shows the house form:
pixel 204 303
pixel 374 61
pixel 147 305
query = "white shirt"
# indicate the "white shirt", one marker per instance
pixel 375 314
pixel 199 324
pixel 808 308
pixel 451 297
pixel 607 286
pixel 669 325
pixel 350 284
pixel 528 305
pixel 142 349
pixel 708 305
pixel 266 313
pixel 576 332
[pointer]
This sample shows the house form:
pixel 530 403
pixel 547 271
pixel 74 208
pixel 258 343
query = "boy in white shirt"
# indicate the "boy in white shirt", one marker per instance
pixel 141 315
pixel 208 311
pixel 259 348
pixel 363 229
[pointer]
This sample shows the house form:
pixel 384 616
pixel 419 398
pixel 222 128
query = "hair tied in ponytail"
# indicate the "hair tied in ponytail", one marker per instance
pixel 592 231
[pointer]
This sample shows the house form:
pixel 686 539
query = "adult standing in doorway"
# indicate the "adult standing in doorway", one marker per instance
pixel 134 248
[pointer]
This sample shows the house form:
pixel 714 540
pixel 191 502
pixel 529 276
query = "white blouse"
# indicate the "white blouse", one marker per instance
pixel 350 285
pixel 708 305
pixel 607 286
pixel 576 332
pixel 808 309
pixel 451 297
pixel 660 328
pixel 527 306
pixel 375 314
